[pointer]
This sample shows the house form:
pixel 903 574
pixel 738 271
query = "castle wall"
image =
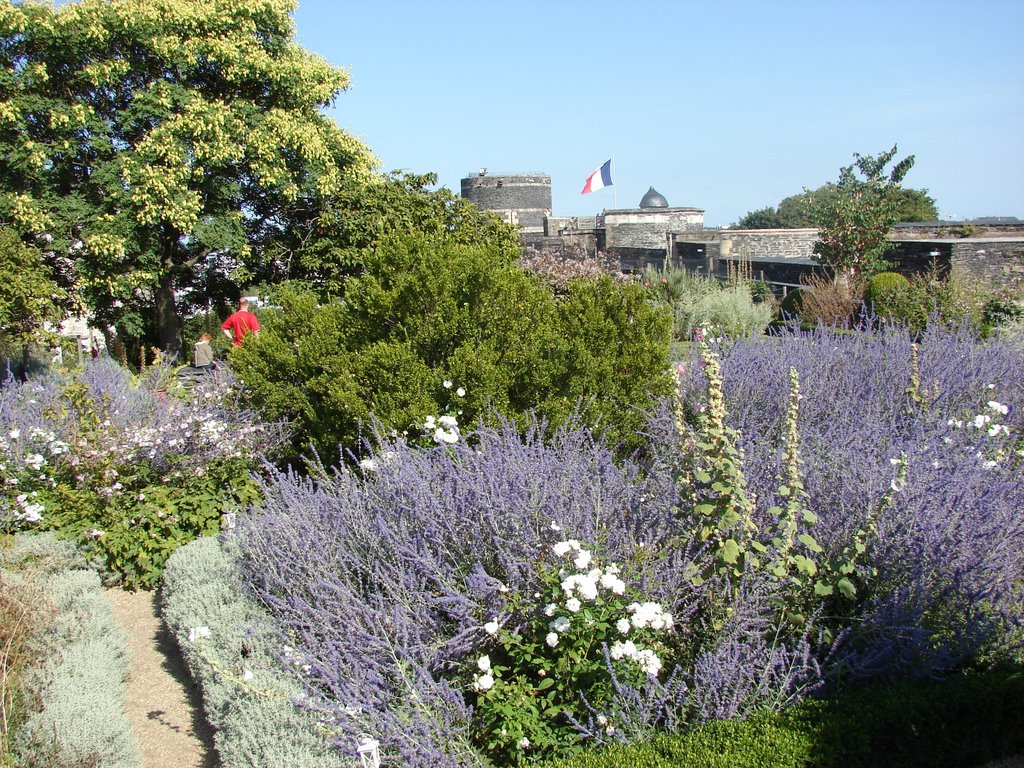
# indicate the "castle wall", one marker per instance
pixel 996 261
pixel 768 243
pixel 649 228
pixel 520 199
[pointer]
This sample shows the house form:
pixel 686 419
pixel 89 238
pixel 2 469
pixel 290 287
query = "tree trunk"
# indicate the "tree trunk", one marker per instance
pixel 25 359
pixel 168 324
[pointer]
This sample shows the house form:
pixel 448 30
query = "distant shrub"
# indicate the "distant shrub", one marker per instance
pixel 791 305
pixel 421 316
pixel 888 296
pixel 952 300
pixel 1003 309
pixel 557 269
pixel 832 302
pixel 704 306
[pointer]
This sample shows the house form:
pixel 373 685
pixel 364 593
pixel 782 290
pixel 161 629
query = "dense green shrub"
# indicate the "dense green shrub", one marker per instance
pixel 74 690
pixel 702 305
pixel 955 298
pixel 791 305
pixel 963 721
pixel 888 295
pixel 1002 310
pixel 247 695
pixel 423 315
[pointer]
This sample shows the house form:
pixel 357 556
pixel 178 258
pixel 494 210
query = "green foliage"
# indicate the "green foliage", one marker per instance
pixel 127 512
pixel 915 205
pixel 803 209
pixel 29 297
pixel 75 692
pixel 531 683
pixel 791 305
pixel 248 695
pixel 702 305
pixel 152 142
pixel 424 313
pixel 327 243
pixel 1002 309
pixel 853 224
pixel 888 295
pixel 967 720
pixel 134 532
pixel 762 218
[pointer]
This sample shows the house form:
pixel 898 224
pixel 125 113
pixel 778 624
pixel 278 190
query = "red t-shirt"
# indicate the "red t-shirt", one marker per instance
pixel 240 324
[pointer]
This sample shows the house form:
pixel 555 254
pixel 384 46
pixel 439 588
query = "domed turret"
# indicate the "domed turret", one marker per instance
pixel 653 199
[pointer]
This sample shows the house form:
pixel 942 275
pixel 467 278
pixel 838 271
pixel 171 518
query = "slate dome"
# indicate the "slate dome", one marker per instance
pixel 653 199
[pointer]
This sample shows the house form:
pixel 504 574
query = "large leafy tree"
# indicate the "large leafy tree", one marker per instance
pixel 802 209
pixel 854 223
pixel 156 140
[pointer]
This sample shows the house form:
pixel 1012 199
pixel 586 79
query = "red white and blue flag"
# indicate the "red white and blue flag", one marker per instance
pixel 599 179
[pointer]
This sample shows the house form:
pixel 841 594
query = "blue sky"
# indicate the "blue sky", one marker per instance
pixel 725 106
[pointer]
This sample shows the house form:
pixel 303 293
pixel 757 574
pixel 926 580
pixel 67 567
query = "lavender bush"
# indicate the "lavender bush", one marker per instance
pixel 826 507
pixel 130 469
pixel 394 586
pixel 944 562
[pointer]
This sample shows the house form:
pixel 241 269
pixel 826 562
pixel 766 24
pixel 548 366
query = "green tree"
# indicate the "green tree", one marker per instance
pixel 762 218
pixel 154 139
pixel 853 224
pixel 802 210
pixel 29 297
pixel 915 205
pixel 799 211
pixel 326 243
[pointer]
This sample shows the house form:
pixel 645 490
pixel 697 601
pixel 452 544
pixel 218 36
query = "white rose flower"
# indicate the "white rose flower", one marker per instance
pixel 582 559
pixel 484 663
pixel 549 609
pixel 491 627
pixel 484 683
pixel 573 605
pixel 551 639
pixel 460 392
pixel 561 548
pixel 588 589
pixel 561 624
pixel 623 626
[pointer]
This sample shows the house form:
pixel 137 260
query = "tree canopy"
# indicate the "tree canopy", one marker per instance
pixel 801 210
pixel 156 141
pixel 855 221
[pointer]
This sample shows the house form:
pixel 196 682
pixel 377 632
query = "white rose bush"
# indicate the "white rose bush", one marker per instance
pixel 574 640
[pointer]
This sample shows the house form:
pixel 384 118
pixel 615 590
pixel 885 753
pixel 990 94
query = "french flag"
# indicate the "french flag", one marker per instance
pixel 599 179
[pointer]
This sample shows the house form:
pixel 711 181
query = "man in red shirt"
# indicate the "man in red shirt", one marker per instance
pixel 241 323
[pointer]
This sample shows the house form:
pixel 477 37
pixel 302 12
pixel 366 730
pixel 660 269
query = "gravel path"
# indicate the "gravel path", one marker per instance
pixel 164 703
